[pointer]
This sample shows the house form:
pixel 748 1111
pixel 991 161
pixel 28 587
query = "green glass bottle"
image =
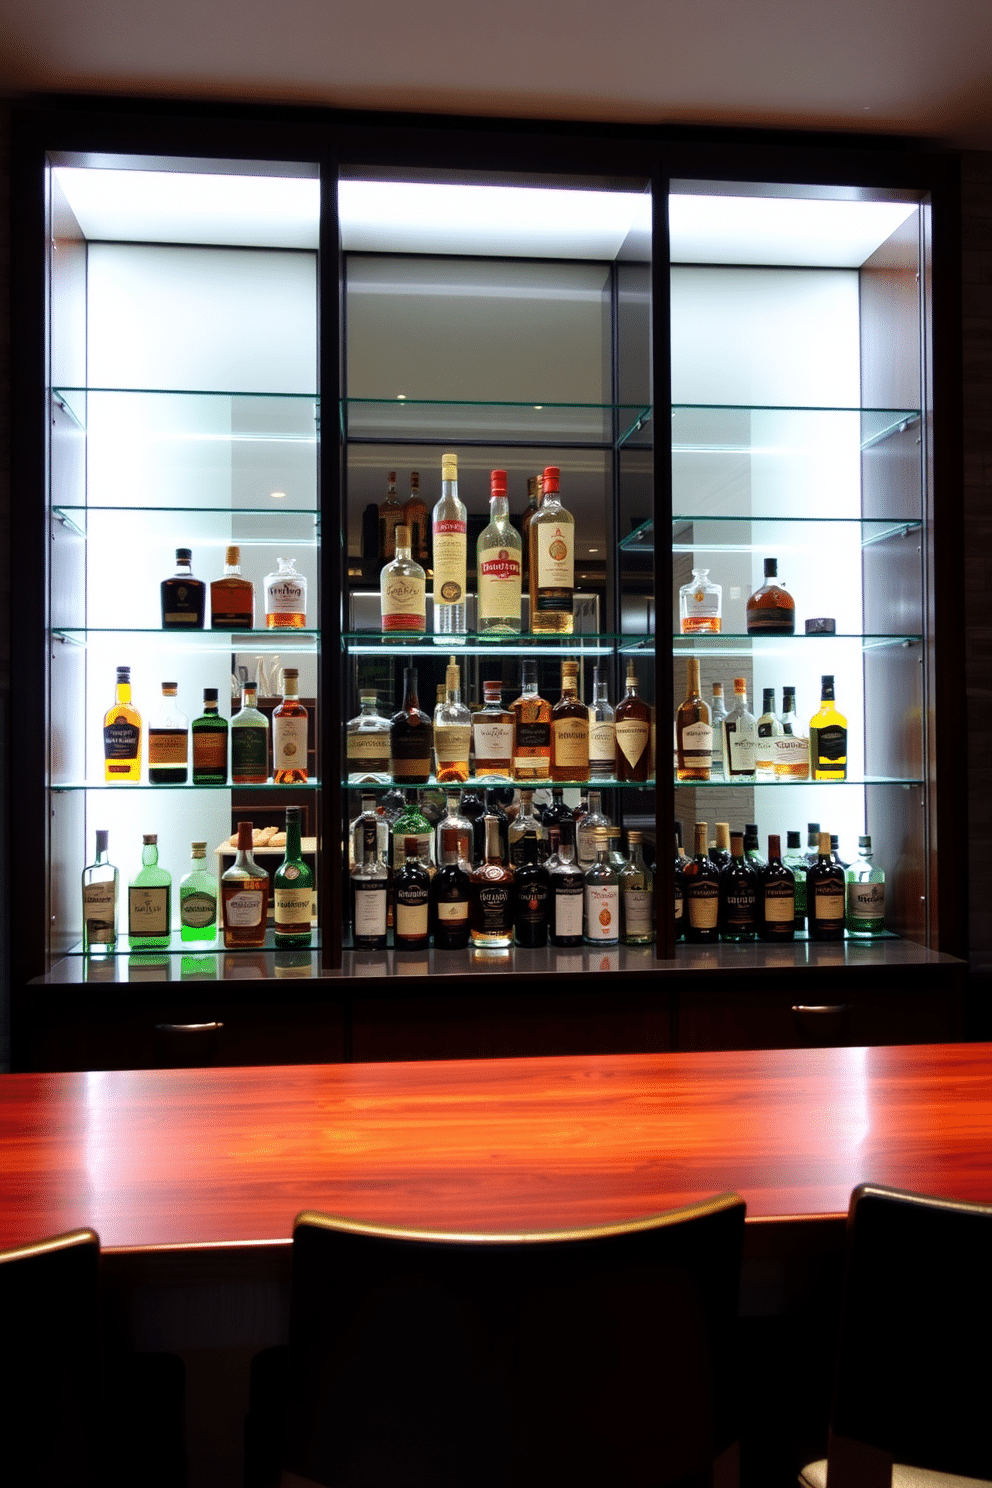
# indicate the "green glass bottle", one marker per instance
pixel 293 885
pixel 865 893
pixel 412 822
pixel 210 743
pixel 198 899
pixel 149 900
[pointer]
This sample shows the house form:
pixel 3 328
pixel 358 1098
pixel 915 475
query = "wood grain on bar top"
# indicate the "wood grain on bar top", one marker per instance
pixel 227 1157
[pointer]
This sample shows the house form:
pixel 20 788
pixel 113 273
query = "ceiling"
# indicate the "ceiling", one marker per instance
pixel 884 66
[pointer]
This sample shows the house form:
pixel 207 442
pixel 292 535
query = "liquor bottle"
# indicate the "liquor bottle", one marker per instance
pixel 678 888
pixel 498 566
pixel 752 848
pixel 636 896
pixel 551 562
pixel 491 895
pixel 183 597
pixel 292 890
pixel 693 731
pixel 416 518
pixel 168 741
pixel 568 887
pixel 459 829
pixel 232 598
pixel 411 737
pixel 738 895
pixel 776 896
pixel 371 815
pixel 402 590
pixel 249 741
pixel 531 897
pixel 289 733
pixel 556 811
pixel 865 893
pixel 835 856
pixel 586 828
pixel 718 712
pixel 701 880
pixel 740 737
pixel 569 729
pixel 122 733
pixel 198 898
pixel 450 893
pixel 527 823
pixel 149 900
pixel 494 808
pixel 771 610
pixel 449 525
pixel 790 748
pixel 369 893
pixel 825 901
pixel 531 729
pixel 492 735
pixel 615 856
pixel 828 737
pixel 796 863
pixel 812 843
pixel 285 597
pixel 100 881
pixel 720 853
pixel 633 728
pixel 391 514
pixel 452 729
pixel 769 729
pixel 601 903
pixel 367 743
pixel 700 604
pixel 210 743
pixel 244 896
pixel 534 494
pixel 412 825
pixel 602 730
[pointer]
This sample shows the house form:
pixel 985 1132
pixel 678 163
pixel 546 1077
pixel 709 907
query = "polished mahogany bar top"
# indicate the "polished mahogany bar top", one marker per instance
pixel 228 1157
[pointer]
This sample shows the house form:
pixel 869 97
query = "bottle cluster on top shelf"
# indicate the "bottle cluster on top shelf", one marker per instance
pixel 232 597
pixel 502 562
pixel 531 740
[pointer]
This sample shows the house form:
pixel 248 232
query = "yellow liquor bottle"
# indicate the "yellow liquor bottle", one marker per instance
pixel 122 733
pixel 828 737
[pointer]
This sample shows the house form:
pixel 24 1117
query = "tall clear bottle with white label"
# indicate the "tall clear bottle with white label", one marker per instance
pixel 100 890
pixel 498 564
pixel 602 730
pixel 551 566
pixel 740 738
pixel 289 734
pixel 449 526
pixel 636 884
pixel 601 911
pixel 865 893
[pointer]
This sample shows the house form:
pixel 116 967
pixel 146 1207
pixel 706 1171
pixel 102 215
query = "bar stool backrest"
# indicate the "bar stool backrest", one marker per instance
pixel 592 1356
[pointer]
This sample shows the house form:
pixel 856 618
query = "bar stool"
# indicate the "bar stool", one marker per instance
pixel 583 1356
pixel 913 1378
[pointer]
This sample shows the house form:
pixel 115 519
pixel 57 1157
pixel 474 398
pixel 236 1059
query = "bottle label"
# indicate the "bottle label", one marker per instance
pixel 293 907
pixel 602 744
pixel 699 604
pixel 452 742
pixel 449 562
pixel 570 744
pixel 284 597
pixel 740 903
pixel 569 901
pixel 245 908
pixel 412 911
pixel 831 742
pixel 555 564
pixel 697 746
pixel 771 617
pixel 632 738
pixel 790 755
pixel 453 912
pixel 167 746
pixel 370 907
pixel 602 911
pixel 741 750
pixel 182 603
pixel 121 740
pixel 198 910
pixel 368 748
pixel 531 901
pixel 249 750
pixel 413 745
pixel 404 605
pixel 289 748
pixel 704 901
pixel 99 908
pixel 210 749
pixel 494 907
pixel 828 902
pixel 148 910
pixel 866 901
pixel 638 905
pixel 779 903
pixel 533 736
pixel 499 584
pixel 493 741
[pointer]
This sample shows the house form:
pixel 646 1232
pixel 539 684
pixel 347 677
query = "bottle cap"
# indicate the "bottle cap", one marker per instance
pixel 402 535
pixel 170 687
pixel 292 814
pixel 740 685
pixel 449 466
pixel 414 480
pixel 492 691
pixel 232 556
pixel 183 555
pixel 792 839
pixel 771 568
pixel 102 838
pixel 774 846
pixel 199 849
pixel 291 671
pixel 865 844
pixel 823 843
pixel 244 836
pixel 391 478
pixel 210 694
pixel 497 482
pixel 634 837
pixel 552 476
pixel 124 674
pixel 150 839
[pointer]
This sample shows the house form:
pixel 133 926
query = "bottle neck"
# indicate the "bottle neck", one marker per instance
pixel 740 697
pixel 293 841
pixel 499 509
pixel 149 854
pixel 123 692
pixel 411 701
pixel 494 854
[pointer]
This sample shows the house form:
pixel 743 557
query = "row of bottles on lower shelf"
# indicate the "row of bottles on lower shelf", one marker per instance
pixel 729 892
pixel 232 598
pixel 714 744
pixel 237 903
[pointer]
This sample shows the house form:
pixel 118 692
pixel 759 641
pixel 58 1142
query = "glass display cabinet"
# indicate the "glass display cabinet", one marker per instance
pixel 724 371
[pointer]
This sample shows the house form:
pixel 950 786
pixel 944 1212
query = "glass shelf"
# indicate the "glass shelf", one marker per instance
pixel 258 641
pixel 759 429
pixel 730 643
pixel 374 643
pixel 406 420
pixel 143 785
pixel 75 517
pixel 197 414
pixel 872 530
pixel 777 785
pixel 197 948
pixel 497 782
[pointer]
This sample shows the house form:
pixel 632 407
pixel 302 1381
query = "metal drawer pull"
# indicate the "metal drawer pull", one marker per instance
pixel 823 1011
pixel 187 1027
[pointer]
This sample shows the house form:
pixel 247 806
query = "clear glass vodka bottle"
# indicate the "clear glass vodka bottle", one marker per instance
pixel 449 525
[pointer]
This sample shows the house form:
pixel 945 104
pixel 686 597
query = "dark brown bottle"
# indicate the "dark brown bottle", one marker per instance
pixel 531 898
pixel 825 895
pixel 771 609
pixel 183 597
pixel 411 901
pixel 776 896
pixel 701 880
pixel 633 728
pixel 449 897
pixel 738 913
pixel 411 737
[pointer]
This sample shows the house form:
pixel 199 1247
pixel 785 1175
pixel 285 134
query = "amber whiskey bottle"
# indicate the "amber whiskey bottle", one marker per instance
pixel 693 730
pixel 569 729
pixel 411 737
pixel 289 734
pixel 771 610
pixel 232 598
pixel 244 893
pixel 633 730
pixel 531 729
pixel 701 887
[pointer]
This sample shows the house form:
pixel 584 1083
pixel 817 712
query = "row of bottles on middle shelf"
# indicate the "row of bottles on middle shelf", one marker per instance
pixel 213 762
pixel 232 597
pixel 484 878
pixel 712 743
pixel 728 891
pixel 530 740
pixel 542 552
pixel 237 903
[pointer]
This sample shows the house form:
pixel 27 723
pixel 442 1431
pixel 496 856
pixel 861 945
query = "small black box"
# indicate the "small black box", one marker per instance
pixel 822 625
